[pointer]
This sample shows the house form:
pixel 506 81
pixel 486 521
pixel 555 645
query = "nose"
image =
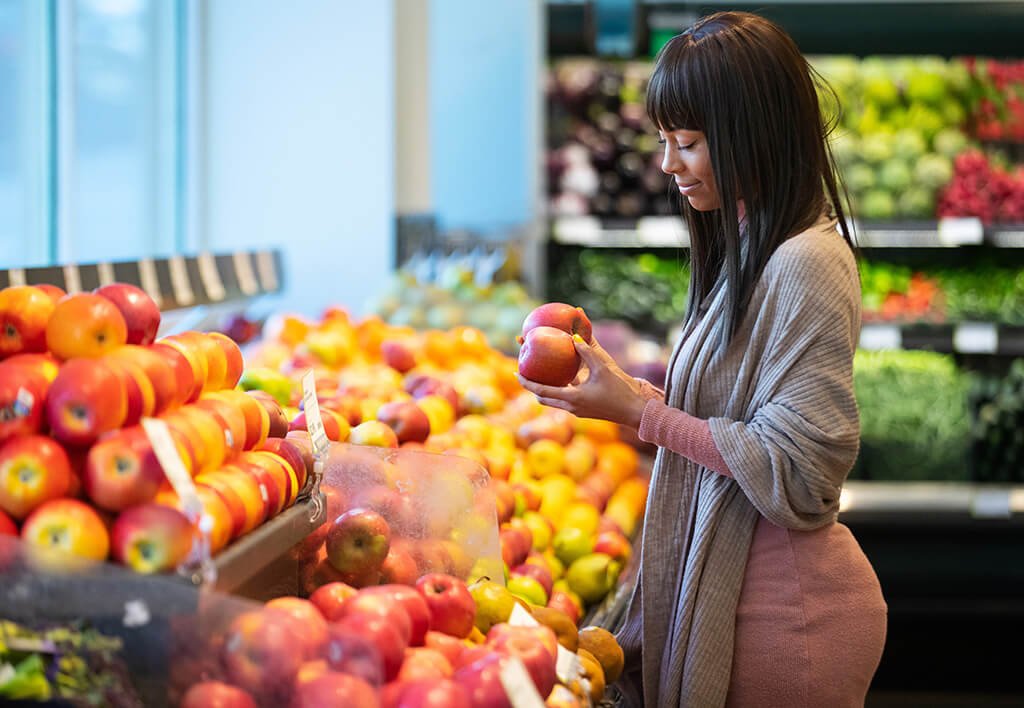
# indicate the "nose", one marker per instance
pixel 671 163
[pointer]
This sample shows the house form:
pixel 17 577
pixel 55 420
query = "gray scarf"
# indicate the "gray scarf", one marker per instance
pixel 782 412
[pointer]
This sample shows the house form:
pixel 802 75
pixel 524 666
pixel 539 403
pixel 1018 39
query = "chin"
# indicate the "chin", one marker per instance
pixel 703 204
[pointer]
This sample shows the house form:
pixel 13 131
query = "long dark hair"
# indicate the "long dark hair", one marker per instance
pixel 742 81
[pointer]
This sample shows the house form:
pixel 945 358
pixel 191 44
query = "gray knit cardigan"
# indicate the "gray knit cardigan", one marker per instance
pixel 781 409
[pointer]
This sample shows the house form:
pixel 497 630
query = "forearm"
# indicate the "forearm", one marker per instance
pixel 681 433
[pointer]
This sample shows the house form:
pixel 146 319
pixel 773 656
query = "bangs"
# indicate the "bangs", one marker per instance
pixel 673 90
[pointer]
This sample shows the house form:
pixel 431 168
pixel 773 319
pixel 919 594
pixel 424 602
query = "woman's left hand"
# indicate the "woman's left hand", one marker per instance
pixel 602 390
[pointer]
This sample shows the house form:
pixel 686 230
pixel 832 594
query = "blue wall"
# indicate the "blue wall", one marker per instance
pixel 485 68
pixel 299 141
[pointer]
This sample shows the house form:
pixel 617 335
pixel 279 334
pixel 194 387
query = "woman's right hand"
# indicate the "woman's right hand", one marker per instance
pixel 602 389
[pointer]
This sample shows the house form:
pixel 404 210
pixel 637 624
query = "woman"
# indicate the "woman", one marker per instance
pixel 749 592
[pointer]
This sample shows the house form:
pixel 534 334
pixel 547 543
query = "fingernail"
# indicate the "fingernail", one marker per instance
pixel 578 338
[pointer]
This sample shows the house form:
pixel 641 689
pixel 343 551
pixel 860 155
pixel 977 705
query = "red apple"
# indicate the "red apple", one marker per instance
pixel 67 526
pixel 187 384
pixel 246 485
pixel 158 370
pixel 7 525
pixel 451 605
pixel 334 689
pixel 139 394
pixel 515 546
pixel 141 314
pixel 567 318
pixel 373 433
pixel 272 471
pixel 563 601
pixel 358 541
pixel 229 497
pixel 407 419
pixel 423 663
pixel 548 356
pixel 85 325
pixel 450 647
pixel 432 693
pixel 52 291
pixel 420 386
pixel 536 647
pixel 196 361
pixel 279 425
pixel 414 604
pixel 262 653
pixel 214 694
pixel 398 355
pixel 614 544
pixel 384 605
pixel 232 356
pixel 33 469
pixel 44 365
pixel 86 400
pixel 330 598
pixel 346 406
pixel 383 637
pixel 23 392
pixel 151 538
pixel 481 680
pixel 208 352
pixel 24 312
pixel 292 455
pixel 121 470
pixel 399 568
pixel 309 619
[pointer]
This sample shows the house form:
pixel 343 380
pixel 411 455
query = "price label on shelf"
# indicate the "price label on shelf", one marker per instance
pixel 210 276
pixel 961 231
pixel 518 685
pixel 16 276
pixel 991 504
pixel 568 666
pixel 246 278
pixel 876 337
pixel 72 279
pixel 521 618
pixel 149 280
pixel 179 281
pixel 267 269
pixel 314 423
pixel 105 272
pixel 174 469
pixel 976 338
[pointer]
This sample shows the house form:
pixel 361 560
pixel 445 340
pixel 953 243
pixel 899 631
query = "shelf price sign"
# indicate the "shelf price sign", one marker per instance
pixel 567 666
pixel 174 469
pixel 317 437
pixel 518 685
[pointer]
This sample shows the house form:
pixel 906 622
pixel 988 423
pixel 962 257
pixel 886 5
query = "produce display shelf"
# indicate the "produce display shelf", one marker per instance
pixel 962 338
pixel 256 563
pixel 174 283
pixel 910 503
pixel 670 232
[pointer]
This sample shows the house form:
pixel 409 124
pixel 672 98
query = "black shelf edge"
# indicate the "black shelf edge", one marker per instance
pixel 961 338
pixel 175 282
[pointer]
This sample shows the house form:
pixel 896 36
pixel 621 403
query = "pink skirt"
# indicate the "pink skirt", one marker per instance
pixel 811 621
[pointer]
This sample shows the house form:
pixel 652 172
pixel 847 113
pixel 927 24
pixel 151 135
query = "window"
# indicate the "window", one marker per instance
pixel 92 153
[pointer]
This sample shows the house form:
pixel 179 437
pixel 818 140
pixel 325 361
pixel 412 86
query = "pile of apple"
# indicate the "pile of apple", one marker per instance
pixel 568 493
pixel 439 643
pixel 77 471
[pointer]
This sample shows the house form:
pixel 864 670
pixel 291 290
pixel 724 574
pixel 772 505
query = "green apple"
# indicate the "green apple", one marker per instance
pixel 540 527
pixel 494 604
pixel 593 576
pixel 527 588
pixel 571 543
pixel 273 382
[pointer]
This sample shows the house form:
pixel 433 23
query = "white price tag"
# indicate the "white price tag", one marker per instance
pixel 991 504
pixel 961 231
pixel 976 338
pixel 16 276
pixel 149 281
pixel 521 618
pixel 174 469
pixel 23 402
pixel 518 685
pixel 568 665
pixel 179 281
pixel 208 273
pixel 246 278
pixel 314 423
pixel 72 281
pixel 105 272
pixel 267 270
pixel 880 336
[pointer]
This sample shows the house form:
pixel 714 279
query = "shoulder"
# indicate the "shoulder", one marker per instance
pixel 817 256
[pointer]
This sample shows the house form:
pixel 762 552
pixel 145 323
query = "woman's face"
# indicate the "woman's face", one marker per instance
pixel 687 160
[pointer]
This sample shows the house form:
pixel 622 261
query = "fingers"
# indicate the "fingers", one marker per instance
pixel 586 352
pixel 556 403
pixel 542 390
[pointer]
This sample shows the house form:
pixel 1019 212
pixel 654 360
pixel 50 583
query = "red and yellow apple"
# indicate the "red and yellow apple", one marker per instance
pixel 86 399
pixel 569 319
pixel 33 470
pixel 141 315
pixel 24 312
pixel 67 526
pixel 151 538
pixel 85 325
pixel 451 605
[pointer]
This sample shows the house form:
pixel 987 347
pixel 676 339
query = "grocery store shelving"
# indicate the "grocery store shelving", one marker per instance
pixel 671 232
pixel 176 282
pixel 962 338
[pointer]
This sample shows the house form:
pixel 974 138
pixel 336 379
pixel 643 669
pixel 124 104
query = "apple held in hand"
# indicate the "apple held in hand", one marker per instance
pixel 24 312
pixel 141 314
pixel 33 469
pixel 215 694
pixel 85 325
pixel 86 400
pixel 569 319
pixel 451 605
pixel 151 538
pixel 67 526
pixel 358 542
pixel 548 356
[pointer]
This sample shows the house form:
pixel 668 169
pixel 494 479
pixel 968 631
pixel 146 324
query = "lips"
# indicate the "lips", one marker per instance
pixel 687 188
